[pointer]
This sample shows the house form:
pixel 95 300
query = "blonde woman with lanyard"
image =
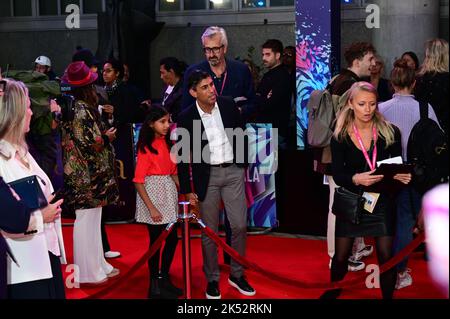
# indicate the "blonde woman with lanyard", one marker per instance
pixel 361 138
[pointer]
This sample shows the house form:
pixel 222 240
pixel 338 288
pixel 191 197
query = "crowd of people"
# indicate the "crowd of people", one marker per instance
pixel 367 131
pixel 220 93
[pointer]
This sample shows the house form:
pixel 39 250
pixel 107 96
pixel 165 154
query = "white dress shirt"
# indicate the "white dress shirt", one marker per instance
pixel 30 251
pixel 219 145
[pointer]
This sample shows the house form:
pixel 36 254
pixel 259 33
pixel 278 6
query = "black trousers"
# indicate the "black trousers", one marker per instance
pixel 167 253
pixel 52 288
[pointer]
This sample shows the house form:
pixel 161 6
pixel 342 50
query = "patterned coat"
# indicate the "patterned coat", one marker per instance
pixel 89 174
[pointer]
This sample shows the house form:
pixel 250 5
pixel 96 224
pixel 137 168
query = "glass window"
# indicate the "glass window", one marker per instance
pixel 220 4
pixel 194 4
pixel 22 8
pixel 169 5
pixel 5 8
pixel 281 3
pixel 65 3
pixel 48 7
pixel 253 3
pixel 92 6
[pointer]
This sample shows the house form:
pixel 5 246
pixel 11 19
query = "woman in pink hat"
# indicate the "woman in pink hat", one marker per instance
pixel 89 177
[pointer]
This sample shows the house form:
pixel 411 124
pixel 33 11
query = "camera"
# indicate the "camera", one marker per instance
pixel 67 104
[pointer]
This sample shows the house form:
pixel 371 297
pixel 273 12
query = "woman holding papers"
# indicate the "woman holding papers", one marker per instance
pixel 361 138
pixel 39 251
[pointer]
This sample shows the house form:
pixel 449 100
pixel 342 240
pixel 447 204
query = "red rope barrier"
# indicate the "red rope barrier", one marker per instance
pixel 152 250
pixel 299 284
pixel 251 265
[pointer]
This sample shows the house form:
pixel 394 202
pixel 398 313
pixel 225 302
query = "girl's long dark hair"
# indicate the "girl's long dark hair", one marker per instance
pixel 147 135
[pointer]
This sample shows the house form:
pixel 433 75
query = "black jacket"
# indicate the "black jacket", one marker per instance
pixel 434 89
pixel 231 118
pixel 273 99
pixel 126 104
pixel 173 102
pixel 14 218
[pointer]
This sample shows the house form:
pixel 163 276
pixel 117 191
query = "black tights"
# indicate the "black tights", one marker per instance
pixel 343 250
pixel 168 251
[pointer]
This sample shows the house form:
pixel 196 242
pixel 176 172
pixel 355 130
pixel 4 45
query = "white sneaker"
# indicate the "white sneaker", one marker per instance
pixel 352 265
pixel 112 254
pixel 355 265
pixel 364 252
pixel 404 279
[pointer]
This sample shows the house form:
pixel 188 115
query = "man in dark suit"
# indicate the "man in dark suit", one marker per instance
pixel 218 156
pixel 14 218
pixel 273 95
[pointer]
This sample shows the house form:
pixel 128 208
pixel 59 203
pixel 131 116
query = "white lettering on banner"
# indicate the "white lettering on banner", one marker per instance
pixel 252 179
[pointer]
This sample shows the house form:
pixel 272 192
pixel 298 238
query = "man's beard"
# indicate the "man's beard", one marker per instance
pixel 214 61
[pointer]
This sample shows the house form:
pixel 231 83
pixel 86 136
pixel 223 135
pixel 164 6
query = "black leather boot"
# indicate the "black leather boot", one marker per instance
pixel 166 284
pixel 154 292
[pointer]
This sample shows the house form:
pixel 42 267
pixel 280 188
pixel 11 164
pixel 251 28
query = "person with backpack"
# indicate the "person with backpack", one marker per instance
pixel 404 112
pixel 360 56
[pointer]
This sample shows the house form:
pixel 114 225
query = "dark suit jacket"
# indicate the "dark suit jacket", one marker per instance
pixel 231 118
pixel 173 101
pixel 14 218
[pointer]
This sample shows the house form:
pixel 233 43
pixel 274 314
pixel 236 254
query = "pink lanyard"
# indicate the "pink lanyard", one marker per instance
pixel 374 153
pixel 223 83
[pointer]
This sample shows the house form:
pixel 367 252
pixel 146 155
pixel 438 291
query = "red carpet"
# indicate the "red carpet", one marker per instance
pixel 299 259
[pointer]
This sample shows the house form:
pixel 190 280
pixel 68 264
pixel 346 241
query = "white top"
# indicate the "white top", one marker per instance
pixel 30 251
pixel 168 91
pixel 219 145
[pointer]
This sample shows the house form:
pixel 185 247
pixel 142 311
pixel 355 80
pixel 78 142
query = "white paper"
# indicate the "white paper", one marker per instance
pixel 240 98
pixel 393 160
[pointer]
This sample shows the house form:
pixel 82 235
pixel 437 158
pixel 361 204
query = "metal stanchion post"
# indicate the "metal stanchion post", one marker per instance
pixel 184 217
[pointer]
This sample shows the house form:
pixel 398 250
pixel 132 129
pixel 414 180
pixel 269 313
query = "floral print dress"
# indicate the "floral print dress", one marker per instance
pixel 89 164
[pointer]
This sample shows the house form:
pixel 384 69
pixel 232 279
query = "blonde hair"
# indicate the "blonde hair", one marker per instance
pixel 436 57
pixel 346 116
pixel 13 107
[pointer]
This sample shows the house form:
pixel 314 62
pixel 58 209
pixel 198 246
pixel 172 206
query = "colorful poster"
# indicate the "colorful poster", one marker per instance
pixel 260 176
pixel 313 46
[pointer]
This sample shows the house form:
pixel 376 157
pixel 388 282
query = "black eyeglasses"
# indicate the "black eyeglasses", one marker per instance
pixel 214 50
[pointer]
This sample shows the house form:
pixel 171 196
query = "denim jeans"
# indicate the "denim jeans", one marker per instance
pixel 408 206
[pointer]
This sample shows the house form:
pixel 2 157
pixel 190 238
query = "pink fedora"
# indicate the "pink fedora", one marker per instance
pixel 78 74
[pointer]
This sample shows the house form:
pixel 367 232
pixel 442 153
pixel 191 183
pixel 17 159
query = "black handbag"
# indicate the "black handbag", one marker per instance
pixel 347 205
pixel 30 192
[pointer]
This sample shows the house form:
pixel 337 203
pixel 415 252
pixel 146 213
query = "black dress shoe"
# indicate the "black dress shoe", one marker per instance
pixel 166 284
pixel 154 291
pixel 242 285
pixel 212 290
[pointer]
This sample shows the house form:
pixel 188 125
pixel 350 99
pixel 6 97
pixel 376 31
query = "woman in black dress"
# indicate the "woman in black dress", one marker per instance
pixel 361 138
